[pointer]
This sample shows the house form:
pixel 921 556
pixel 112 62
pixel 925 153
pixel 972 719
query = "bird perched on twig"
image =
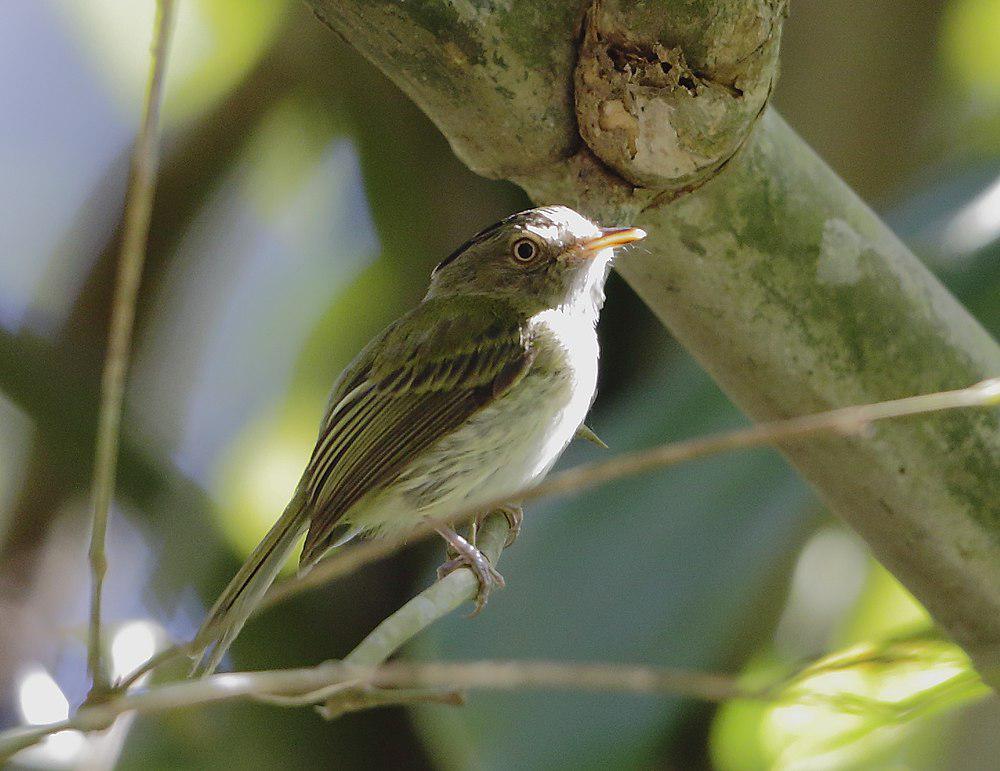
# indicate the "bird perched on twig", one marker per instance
pixel 473 394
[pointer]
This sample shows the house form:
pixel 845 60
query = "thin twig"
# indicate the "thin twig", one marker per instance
pixel 359 682
pixel 166 655
pixel 138 208
pixel 560 676
pixel 285 686
pixel 433 603
pixel 437 600
pixel 847 420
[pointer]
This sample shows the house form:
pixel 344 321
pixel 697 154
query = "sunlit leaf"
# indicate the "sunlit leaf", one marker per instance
pixel 859 702
pixel 871 703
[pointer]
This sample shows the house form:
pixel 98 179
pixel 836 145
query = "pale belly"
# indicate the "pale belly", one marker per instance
pixel 501 449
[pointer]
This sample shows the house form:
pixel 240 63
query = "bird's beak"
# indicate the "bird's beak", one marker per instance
pixel 612 237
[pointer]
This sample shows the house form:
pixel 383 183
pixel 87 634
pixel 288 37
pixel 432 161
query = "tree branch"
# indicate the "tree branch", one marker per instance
pixel 436 601
pixel 785 286
pixel 369 686
pixel 360 681
pixel 347 691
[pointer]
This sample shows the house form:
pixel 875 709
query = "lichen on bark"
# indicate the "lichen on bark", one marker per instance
pixel 662 111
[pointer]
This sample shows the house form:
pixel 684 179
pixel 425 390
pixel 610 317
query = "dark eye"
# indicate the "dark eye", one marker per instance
pixel 524 250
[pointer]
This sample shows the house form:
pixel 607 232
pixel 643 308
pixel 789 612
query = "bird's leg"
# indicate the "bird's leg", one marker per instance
pixel 514 515
pixel 469 556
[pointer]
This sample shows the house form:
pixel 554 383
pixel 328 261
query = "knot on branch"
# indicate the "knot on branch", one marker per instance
pixel 666 105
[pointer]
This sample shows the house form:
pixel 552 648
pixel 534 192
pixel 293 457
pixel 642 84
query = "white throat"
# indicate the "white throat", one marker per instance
pixel 586 296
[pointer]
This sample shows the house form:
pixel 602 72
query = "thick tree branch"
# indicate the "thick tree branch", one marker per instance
pixel 785 286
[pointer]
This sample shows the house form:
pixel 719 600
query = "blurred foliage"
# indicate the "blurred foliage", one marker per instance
pixel 881 701
pixel 969 44
pixel 214 45
pixel 259 475
pixel 303 202
pixel 970 87
pixel 14 444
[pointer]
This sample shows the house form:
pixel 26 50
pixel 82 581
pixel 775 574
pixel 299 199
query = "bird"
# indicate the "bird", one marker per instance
pixel 473 394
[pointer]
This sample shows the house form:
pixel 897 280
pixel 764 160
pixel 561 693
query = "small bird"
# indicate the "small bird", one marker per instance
pixel 473 394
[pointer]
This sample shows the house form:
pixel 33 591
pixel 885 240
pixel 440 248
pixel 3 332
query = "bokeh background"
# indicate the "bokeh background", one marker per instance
pixel 301 205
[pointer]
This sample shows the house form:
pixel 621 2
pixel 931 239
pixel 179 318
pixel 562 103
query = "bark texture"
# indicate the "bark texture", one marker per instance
pixel 783 284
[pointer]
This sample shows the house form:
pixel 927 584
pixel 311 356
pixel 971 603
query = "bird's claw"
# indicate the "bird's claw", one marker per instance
pixel 468 556
pixel 514 516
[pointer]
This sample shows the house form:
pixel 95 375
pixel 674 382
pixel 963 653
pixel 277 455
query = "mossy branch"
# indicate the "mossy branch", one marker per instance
pixel 760 260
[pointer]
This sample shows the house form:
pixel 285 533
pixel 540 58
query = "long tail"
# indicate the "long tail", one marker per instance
pixel 248 586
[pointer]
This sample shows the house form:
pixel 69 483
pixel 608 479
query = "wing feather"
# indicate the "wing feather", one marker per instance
pixel 424 377
pixel 337 435
pixel 392 459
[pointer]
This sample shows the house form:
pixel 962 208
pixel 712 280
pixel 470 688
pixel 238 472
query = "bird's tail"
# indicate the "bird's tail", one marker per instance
pixel 248 586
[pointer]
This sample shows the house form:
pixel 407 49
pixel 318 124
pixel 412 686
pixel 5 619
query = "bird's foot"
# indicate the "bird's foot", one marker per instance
pixel 468 556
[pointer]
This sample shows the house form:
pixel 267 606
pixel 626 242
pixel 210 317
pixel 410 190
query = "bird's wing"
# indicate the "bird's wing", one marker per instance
pixel 423 378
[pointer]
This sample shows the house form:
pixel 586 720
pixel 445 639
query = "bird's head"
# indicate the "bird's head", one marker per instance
pixel 539 259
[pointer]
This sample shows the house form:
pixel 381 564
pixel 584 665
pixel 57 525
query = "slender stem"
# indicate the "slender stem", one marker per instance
pixel 289 686
pixel 138 208
pixel 359 682
pixel 437 600
pixel 561 676
pixel 847 420
pixel 440 599
pixel 402 625
pixel 166 655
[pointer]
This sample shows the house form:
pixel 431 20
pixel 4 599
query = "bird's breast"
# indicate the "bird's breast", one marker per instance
pixel 516 439
pixel 527 429
pixel 562 381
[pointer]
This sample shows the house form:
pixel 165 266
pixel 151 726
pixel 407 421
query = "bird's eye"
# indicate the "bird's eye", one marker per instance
pixel 524 250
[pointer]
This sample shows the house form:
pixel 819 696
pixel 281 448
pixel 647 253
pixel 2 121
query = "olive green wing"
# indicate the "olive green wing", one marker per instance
pixel 426 375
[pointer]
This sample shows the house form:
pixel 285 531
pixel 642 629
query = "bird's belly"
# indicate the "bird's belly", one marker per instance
pixel 504 447
pixel 517 440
